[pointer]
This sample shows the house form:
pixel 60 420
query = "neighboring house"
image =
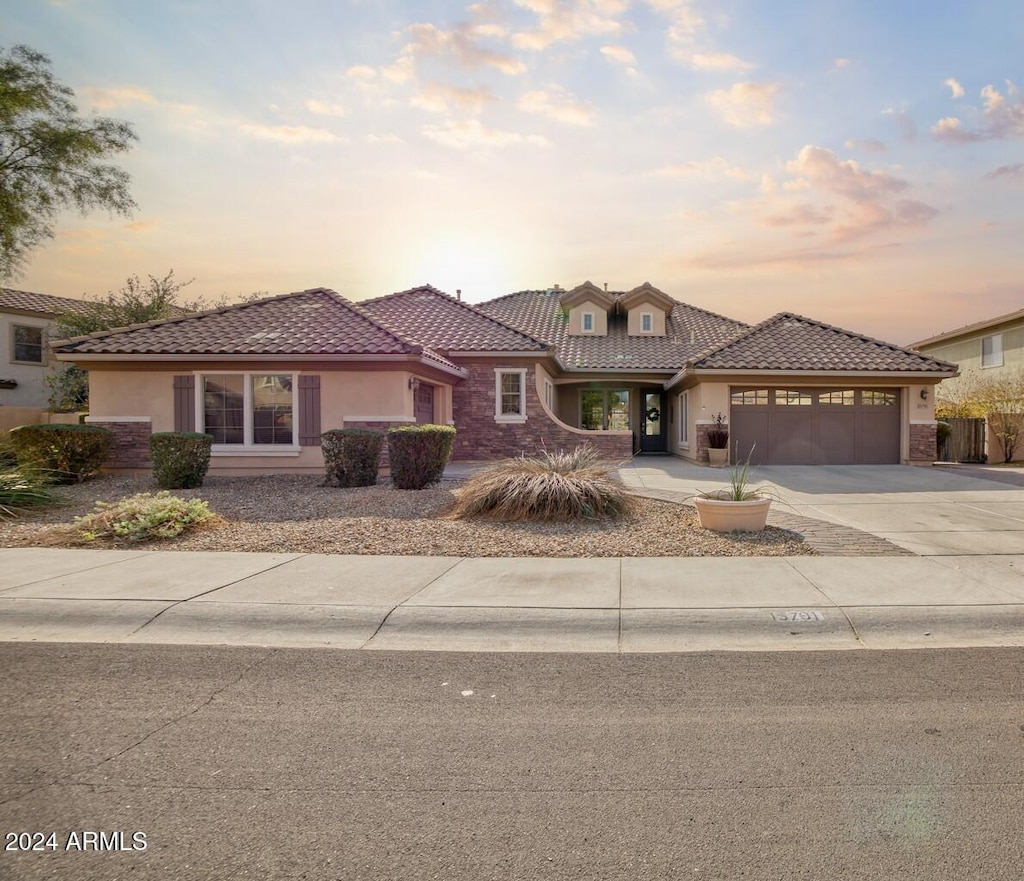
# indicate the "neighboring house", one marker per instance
pixel 629 372
pixel 25 362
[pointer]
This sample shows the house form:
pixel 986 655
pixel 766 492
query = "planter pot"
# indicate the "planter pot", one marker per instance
pixel 718 458
pixel 720 515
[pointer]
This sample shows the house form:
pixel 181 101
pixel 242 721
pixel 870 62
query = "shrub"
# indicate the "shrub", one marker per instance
pixel 180 458
pixel 351 455
pixel 21 488
pixel 418 454
pixel 70 453
pixel 144 517
pixel 552 486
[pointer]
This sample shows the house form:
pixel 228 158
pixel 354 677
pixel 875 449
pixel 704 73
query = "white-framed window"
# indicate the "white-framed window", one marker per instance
pixel 549 394
pixel 684 419
pixel 29 345
pixel 992 350
pixel 604 409
pixel 588 322
pixel 244 411
pixel 509 395
pixel 646 322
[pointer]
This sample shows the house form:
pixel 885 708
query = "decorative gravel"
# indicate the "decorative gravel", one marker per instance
pixel 290 513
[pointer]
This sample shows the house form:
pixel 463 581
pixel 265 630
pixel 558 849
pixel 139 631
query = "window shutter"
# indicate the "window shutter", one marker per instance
pixel 185 403
pixel 309 411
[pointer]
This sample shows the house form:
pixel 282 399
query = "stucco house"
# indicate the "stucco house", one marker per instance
pixel 631 372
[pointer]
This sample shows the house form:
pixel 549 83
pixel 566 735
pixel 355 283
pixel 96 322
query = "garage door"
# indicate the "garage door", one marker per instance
pixel 816 426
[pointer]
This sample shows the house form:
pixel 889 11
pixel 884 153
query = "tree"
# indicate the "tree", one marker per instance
pixel 50 157
pixel 997 398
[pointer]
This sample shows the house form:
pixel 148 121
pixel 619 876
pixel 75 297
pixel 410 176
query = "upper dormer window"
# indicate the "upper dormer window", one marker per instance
pixel 646 322
pixel 588 322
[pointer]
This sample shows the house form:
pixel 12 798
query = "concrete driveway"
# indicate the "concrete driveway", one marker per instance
pixel 930 511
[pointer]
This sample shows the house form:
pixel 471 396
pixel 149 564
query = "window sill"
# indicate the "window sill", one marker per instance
pixel 990 366
pixel 255 451
pixel 510 419
pixel 28 363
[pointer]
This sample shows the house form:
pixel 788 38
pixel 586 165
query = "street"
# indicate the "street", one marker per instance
pixel 241 762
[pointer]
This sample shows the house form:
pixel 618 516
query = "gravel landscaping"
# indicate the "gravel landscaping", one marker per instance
pixel 297 514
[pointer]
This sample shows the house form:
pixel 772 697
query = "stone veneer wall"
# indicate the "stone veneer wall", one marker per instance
pixel 922 443
pixel 702 441
pixel 479 436
pixel 129 448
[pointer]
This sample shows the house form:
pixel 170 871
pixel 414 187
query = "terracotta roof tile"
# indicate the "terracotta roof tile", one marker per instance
pixel 689 331
pixel 46 304
pixel 792 342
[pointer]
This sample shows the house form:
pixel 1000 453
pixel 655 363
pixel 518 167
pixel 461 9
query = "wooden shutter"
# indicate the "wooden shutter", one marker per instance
pixel 185 403
pixel 309 411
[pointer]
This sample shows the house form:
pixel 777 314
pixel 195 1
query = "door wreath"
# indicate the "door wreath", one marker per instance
pixel 653 415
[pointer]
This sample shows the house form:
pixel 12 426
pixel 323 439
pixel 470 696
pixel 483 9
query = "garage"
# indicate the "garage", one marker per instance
pixel 815 425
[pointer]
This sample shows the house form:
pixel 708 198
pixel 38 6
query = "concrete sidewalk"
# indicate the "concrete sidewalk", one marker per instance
pixel 512 604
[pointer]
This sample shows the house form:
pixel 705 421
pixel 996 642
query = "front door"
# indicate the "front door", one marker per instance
pixel 653 422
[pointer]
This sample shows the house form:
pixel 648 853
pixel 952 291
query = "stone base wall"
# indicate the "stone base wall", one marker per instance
pixel 922 443
pixel 479 437
pixel 702 442
pixel 129 448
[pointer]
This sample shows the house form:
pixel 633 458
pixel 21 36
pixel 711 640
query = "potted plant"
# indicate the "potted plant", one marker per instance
pixel 718 442
pixel 739 507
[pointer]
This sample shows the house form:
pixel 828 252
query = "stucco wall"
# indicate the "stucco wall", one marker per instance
pixel 600 319
pixel 966 353
pixel 31 390
pixel 634 324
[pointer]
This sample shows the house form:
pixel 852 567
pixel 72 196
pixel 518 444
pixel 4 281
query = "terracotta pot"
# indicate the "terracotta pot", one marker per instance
pixel 718 458
pixel 720 515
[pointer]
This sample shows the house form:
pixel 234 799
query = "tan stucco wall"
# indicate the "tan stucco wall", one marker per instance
pixel 134 393
pixel 633 320
pixel 576 319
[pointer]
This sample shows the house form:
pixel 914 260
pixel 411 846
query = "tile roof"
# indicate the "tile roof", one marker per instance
pixel 314 322
pixel 46 304
pixel 435 319
pixel 688 332
pixel 792 342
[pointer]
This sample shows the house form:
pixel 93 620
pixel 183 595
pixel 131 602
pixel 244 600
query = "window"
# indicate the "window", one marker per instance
pixel 646 322
pixel 992 351
pixel 588 322
pixel 28 344
pixel 549 395
pixel 604 408
pixel 789 398
pixel 751 398
pixel 842 399
pixel 510 395
pixel 684 419
pixel 878 399
pixel 248 409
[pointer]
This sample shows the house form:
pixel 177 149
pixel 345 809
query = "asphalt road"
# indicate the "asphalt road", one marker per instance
pixel 324 764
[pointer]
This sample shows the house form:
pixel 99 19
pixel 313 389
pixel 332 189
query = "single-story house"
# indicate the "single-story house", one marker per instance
pixel 631 372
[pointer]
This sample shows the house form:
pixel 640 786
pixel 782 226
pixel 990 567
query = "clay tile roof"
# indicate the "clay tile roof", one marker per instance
pixel 792 342
pixel 314 322
pixel 433 318
pixel 688 331
pixel 45 304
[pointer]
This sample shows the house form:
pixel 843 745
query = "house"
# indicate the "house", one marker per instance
pixel 631 372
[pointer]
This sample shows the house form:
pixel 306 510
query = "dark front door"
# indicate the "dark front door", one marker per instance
pixel 425 404
pixel 653 422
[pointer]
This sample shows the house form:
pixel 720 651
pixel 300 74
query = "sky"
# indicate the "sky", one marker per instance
pixel 854 161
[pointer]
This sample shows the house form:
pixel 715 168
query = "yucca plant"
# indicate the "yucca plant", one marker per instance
pixel 23 488
pixel 558 486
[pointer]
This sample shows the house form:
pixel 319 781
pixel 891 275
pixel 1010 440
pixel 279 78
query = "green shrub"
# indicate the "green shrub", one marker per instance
pixel 418 454
pixel 180 458
pixel 549 487
pixel 22 488
pixel 351 455
pixel 144 517
pixel 70 453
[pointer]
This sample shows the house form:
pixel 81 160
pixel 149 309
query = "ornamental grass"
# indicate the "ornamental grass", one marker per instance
pixel 553 487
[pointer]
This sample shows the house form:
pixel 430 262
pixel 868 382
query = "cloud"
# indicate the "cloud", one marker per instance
pixel 955 87
pixel 867 145
pixel 441 98
pixel 1011 172
pixel 718 61
pixel 804 214
pixel 688 41
pixel 471 133
pixel 1001 118
pixel 142 225
pixel 569 20
pixel 105 99
pixel 361 72
pixel 746 104
pixel 620 55
pixel 840 63
pixel 322 108
pixel 904 123
pixel 821 167
pixel 383 138
pixel 558 104
pixel 289 134
pixel 711 168
pixel 463 44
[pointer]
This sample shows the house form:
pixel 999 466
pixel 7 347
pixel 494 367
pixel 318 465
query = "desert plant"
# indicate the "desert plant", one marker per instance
pixel 22 488
pixel 418 454
pixel 550 487
pixel 69 453
pixel 351 455
pixel 8 458
pixel 180 458
pixel 144 517
pixel 718 434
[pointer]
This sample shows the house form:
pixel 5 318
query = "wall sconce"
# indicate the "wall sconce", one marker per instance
pixel 924 394
pixel 414 383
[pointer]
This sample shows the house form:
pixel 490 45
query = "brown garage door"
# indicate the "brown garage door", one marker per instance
pixel 816 426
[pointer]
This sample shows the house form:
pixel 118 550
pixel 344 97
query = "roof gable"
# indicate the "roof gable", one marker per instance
pixel 790 342
pixel 586 291
pixel 647 293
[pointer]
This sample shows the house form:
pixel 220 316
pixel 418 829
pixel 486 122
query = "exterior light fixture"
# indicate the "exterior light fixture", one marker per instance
pixel 414 383
pixel 924 394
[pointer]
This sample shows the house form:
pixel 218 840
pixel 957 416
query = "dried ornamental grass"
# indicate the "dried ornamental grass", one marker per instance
pixel 144 517
pixel 549 487
pixel 22 488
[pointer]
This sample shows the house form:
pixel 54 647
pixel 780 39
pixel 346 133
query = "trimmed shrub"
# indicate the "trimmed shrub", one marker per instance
pixel 68 453
pixel 418 454
pixel 144 517
pixel 22 488
pixel 549 487
pixel 180 458
pixel 351 455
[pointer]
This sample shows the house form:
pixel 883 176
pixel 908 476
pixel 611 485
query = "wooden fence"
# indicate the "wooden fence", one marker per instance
pixel 966 441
